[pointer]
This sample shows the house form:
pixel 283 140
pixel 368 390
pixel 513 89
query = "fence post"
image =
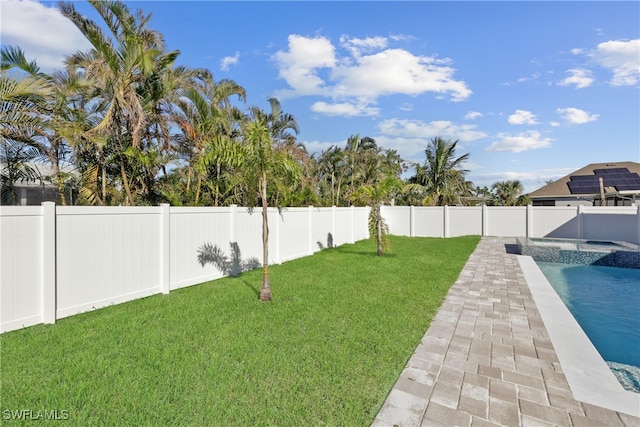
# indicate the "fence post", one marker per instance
pixel 638 224
pixel 165 250
pixel 49 276
pixel 446 221
pixel 412 221
pixel 529 231
pixel 579 221
pixel 484 220
pixel 353 227
pixel 333 225
pixel 310 229
pixel 232 222
pixel 279 216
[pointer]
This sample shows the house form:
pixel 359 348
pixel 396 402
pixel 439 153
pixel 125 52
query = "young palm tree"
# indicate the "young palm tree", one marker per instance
pixel 374 196
pixel 264 162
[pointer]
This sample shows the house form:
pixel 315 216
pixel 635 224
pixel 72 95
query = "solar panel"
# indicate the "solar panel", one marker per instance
pixel 610 171
pixel 619 178
pixel 583 178
pixel 625 187
pixel 583 187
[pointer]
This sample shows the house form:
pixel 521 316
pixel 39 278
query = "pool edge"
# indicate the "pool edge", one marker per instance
pixel 588 375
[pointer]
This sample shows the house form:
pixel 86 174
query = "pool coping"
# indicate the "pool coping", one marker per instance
pixel 588 375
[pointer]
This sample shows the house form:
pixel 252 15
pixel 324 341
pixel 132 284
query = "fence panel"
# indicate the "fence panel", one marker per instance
pixel 428 221
pixel 343 226
pixel 506 221
pixel 555 221
pixel 323 233
pixel 21 258
pixel 465 221
pixel 398 219
pixel 105 256
pixel 360 224
pixel 200 240
pixel 611 223
pixel 294 233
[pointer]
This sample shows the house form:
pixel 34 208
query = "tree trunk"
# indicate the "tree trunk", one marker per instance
pixel 379 229
pixel 265 291
pixel 198 185
pixel 125 182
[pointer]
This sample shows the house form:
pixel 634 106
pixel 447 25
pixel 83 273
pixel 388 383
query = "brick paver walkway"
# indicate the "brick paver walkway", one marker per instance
pixel 487 359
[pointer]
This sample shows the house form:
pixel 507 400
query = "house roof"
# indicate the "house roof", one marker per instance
pixel 618 177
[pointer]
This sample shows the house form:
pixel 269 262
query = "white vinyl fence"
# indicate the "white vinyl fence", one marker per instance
pixel 570 222
pixel 58 261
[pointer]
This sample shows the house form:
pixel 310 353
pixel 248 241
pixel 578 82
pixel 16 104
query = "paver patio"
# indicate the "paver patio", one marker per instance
pixel 487 359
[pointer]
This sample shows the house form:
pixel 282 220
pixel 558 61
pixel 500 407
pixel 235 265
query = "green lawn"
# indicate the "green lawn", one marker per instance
pixel 326 351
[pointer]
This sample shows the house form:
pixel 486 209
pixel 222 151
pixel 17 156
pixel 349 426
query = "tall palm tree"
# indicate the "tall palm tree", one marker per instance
pixel 264 162
pixel 24 92
pixel 210 126
pixel 332 170
pixel 123 66
pixel 441 173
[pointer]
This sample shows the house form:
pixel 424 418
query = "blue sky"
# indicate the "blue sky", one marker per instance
pixel 532 90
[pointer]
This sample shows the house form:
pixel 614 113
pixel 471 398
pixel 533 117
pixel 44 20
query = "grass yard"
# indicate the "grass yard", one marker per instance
pixel 326 351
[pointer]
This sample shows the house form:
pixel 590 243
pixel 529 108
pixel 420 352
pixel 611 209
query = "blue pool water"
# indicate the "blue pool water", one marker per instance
pixel 606 303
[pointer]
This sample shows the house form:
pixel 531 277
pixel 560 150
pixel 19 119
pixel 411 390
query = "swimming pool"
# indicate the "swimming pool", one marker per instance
pixel 576 251
pixel 604 301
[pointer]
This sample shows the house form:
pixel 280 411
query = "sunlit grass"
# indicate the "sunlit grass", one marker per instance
pixel 326 351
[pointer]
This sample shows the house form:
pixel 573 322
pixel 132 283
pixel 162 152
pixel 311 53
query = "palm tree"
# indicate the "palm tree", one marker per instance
pixel 375 195
pixel 509 193
pixel 264 161
pixel 22 120
pixel 441 175
pixel 210 126
pixel 331 170
pixel 123 68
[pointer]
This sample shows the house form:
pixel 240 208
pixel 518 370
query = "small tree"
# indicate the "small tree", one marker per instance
pixel 264 162
pixel 375 195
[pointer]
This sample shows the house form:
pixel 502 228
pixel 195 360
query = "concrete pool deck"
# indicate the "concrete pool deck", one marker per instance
pixel 488 358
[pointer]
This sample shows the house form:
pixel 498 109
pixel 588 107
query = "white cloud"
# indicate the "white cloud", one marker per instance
pixel 472 115
pixel 579 77
pixel 534 76
pixel 299 65
pixel 358 46
pixel 522 117
pixel 426 131
pixel 530 140
pixel 41 32
pixel 575 116
pixel 622 58
pixel 366 71
pixel 397 71
pixel 344 109
pixel 228 61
